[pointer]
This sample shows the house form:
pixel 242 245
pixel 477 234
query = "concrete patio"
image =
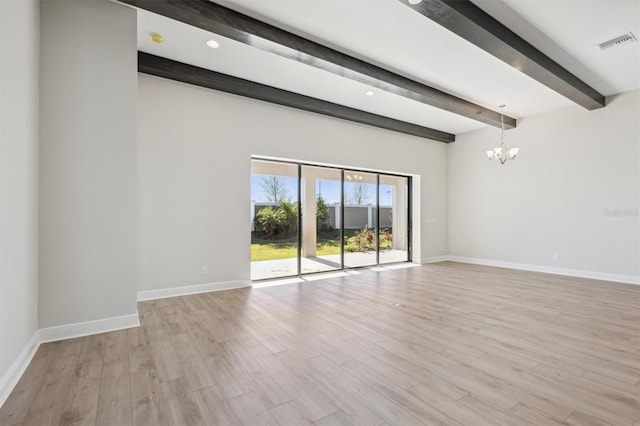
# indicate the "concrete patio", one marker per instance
pixel 268 269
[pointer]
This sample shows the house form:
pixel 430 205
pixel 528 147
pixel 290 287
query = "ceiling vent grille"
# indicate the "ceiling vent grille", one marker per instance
pixel 618 41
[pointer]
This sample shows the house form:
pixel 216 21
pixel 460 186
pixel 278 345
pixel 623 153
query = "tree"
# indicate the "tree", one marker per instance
pixel 322 215
pixel 360 194
pixel 274 189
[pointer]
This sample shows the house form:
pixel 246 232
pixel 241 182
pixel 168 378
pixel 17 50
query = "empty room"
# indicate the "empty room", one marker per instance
pixel 319 212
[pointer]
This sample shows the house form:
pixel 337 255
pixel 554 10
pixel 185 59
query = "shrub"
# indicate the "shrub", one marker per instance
pixel 365 240
pixel 386 236
pixel 269 220
pixel 289 224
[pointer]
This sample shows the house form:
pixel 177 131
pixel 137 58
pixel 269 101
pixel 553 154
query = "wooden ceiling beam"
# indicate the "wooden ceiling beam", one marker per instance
pixel 178 71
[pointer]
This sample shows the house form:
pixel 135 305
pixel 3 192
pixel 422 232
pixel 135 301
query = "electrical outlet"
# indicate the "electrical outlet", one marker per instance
pixel 204 270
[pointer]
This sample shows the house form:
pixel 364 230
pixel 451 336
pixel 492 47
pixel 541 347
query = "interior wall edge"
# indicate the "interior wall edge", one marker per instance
pixel 19 121
pixel 11 378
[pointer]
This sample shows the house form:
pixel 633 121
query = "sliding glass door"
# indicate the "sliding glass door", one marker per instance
pixel 307 218
pixel 394 218
pixel 360 219
pixel 321 209
pixel 274 219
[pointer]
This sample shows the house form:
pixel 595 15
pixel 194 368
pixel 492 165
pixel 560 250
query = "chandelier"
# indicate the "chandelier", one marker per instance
pixel 502 153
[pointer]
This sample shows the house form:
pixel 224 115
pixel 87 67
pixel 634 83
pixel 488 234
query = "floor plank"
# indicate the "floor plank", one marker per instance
pixel 181 404
pixel 82 404
pixel 147 399
pixel 251 411
pixel 114 400
pixel 48 404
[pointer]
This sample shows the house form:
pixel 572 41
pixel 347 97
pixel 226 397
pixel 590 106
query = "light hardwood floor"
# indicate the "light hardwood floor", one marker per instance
pixel 438 344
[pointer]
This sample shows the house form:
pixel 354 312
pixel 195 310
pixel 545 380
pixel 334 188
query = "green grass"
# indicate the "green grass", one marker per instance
pixel 265 249
pixel 273 250
pixel 287 248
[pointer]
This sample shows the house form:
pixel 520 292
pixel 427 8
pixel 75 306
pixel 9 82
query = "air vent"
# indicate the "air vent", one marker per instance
pixel 618 41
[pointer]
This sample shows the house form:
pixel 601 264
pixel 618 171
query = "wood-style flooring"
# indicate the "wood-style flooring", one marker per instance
pixel 438 344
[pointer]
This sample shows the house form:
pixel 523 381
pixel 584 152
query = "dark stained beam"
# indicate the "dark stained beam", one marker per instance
pixel 212 17
pixel 476 26
pixel 178 71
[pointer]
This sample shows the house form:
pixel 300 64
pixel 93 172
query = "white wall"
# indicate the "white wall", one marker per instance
pixel 19 29
pixel 195 147
pixel 574 166
pixel 87 161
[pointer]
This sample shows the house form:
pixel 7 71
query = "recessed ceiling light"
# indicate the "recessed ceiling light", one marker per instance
pixel 414 1
pixel 213 44
pixel 157 38
pixel 369 93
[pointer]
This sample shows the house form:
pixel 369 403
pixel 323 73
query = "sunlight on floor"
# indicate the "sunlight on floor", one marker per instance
pixel 328 275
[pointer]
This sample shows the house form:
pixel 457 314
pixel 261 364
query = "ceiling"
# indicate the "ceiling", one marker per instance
pixel 393 36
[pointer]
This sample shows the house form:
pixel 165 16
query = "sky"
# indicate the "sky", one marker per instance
pixel 329 189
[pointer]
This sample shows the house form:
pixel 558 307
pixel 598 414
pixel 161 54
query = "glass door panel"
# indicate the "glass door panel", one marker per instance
pixel 360 227
pixel 394 219
pixel 274 219
pixel 321 210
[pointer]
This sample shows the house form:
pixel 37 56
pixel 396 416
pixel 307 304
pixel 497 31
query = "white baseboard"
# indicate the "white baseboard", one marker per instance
pixel 627 279
pixel 19 366
pixel 434 259
pixel 79 329
pixel 191 289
